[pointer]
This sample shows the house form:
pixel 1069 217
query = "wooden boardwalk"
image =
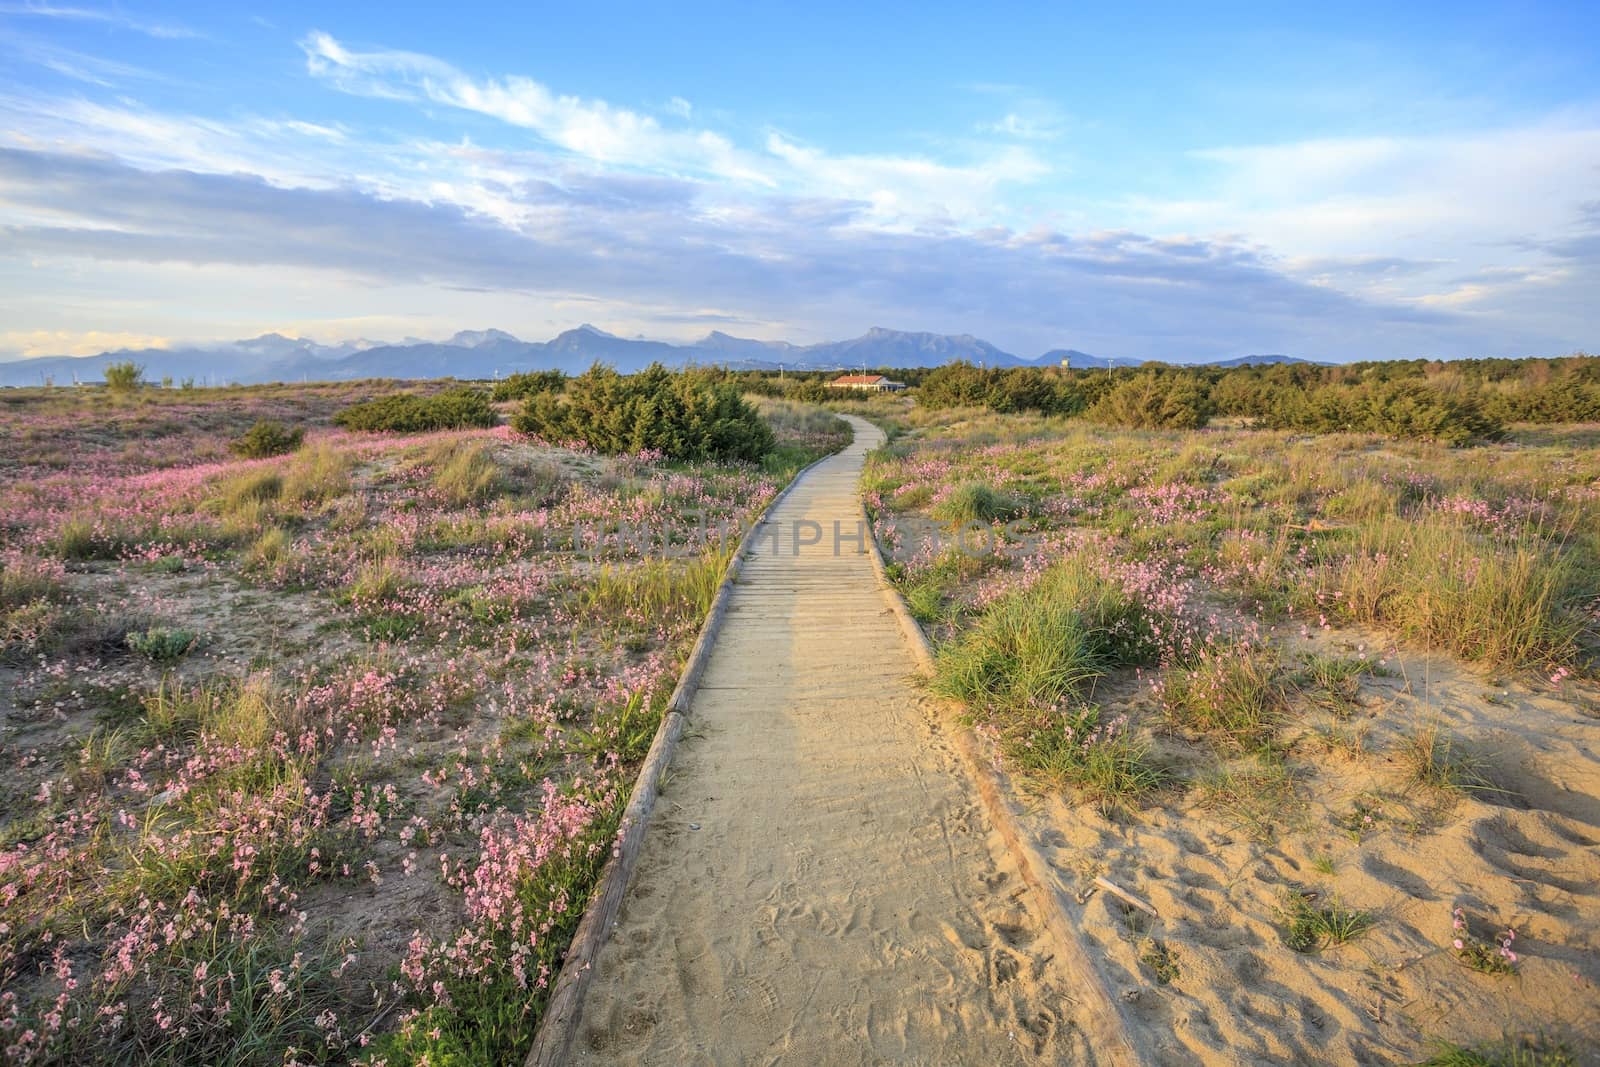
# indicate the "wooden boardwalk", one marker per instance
pixel 818 883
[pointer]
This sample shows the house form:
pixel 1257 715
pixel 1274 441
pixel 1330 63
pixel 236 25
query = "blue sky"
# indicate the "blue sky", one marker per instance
pixel 1177 181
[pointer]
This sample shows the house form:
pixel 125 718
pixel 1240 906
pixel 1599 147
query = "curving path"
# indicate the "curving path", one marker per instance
pixel 817 884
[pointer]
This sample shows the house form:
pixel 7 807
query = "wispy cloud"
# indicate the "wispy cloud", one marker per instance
pixel 115 19
pixel 897 188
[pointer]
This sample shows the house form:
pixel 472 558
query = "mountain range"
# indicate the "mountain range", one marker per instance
pixel 495 354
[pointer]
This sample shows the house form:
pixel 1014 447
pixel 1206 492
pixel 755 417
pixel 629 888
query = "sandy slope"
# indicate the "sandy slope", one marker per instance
pixel 1527 857
pixel 818 884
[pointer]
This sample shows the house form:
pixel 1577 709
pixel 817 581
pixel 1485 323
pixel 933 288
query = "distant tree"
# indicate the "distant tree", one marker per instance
pixel 267 438
pixel 124 377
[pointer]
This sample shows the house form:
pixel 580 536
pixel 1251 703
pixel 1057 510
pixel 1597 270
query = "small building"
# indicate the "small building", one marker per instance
pixel 867 383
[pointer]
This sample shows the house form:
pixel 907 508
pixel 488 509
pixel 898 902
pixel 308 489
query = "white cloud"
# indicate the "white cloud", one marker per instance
pixel 898 187
pixel 590 128
pixel 115 19
pixel 28 343
pixel 901 190
pixel 1023 127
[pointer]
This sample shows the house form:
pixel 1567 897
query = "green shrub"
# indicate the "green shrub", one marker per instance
pixel 162 643
pixel 1154 401
pixel 1402 408
pixel 531 383
pixel 454 409
pixel 267 438
pixel 124 377
pixel 684 415
pixel 960 384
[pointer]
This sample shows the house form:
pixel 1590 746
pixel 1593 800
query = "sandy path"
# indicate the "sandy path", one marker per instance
pixel 817 884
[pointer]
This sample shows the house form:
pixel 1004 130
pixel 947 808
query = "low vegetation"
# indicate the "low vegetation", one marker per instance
pixel 316 755
pixel 1225 660
pixel 267 438
pixel 1449 403
pixel 453 409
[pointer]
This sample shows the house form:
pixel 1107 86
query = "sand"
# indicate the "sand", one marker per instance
pixel 1527 858
pixel 818 883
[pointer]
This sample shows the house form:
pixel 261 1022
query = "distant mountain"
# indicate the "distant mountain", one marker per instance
pixel 1084 361
pixel 496 353
pixel 478 338
pixel 1254 361
pixel 879 347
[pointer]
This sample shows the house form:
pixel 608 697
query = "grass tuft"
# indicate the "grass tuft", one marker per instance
pixel 1311 925
pixel 1435 758
pixel 1045 644
pixel 1233 694
pixel 464 472
pixel 976 502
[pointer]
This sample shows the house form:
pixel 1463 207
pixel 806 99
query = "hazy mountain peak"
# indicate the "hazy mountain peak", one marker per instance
pixel 474 338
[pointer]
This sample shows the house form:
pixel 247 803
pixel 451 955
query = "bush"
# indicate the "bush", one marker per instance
pixel 1153 401
pixel 162 643
pixel 532 383
pixel 267 438
pixel 124 377
pixel 960 384
pixel 453 409
pixel 684 415
pixel 1403 408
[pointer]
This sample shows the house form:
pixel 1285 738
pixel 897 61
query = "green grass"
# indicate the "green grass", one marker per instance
pixel 464 472
pixel 1509 1052
pixel 1232 694
pixel 658 589
pixel 627 728
pixel 1104 763
pixel 1511 600
pixel 1335 680
pixel 1256 794
pixel 976 502
pixel 1312 925
pixel 1047 643
pixel 317 474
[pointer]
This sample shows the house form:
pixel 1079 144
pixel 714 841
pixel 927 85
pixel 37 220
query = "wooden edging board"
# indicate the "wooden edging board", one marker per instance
pixel 1100 1015
pixel 553 1043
